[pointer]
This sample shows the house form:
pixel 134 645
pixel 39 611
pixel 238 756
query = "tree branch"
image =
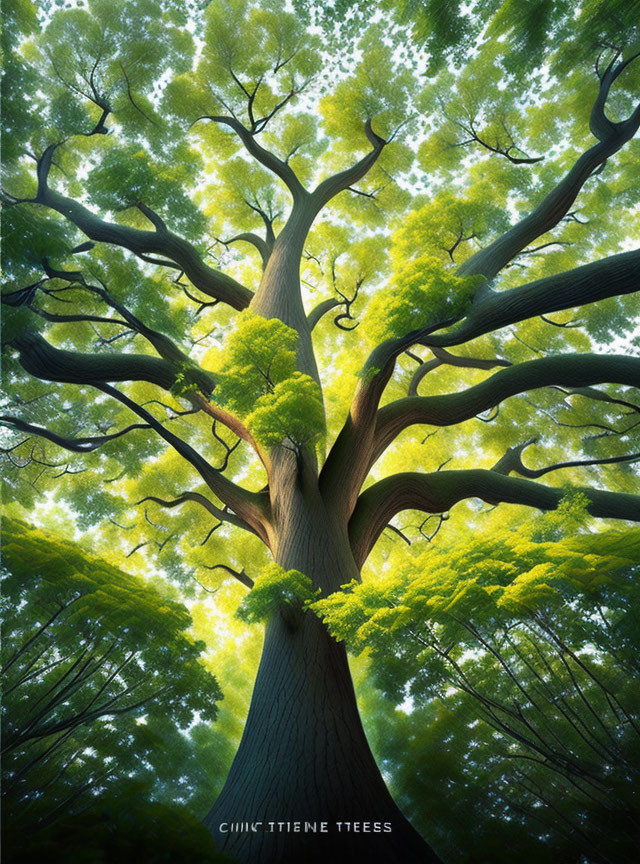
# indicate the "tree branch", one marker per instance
pixel 274 164
pixel 332 186
pixel 443 357
pixel 564 369
pixel 160 242
pixel 162 344
pixel 252 507
pixel 347 464
pixel 203 501
pixel 609 277
pixel 438 492
pixel 77 445
pixel 241 575
pixel 512 461
pixel 263 247
pixel 42 360
pixel 469 128
pixel 491 310
pixel 321 310
pixel 555 206
pixel 600 396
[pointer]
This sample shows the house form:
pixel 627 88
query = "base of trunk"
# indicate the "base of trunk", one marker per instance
pixel 304 786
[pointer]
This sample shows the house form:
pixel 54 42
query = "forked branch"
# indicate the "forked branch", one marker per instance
pixel 571 370
pixel 265 157
pixel 203 501
pixel 176 250
pixel 512 462
pixel 557 203
pixel 492 310
pixel 332 186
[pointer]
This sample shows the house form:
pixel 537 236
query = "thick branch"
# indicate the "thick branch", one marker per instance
pixel 276 165
pixel 348 462
pixel 332 186
pixel 249 506
pixel 572 370
pixel 555 206
pixel 42 360
pixel 319 311
pixel 609 277
pixel 443 357
pixel 438 492
pixel 161 241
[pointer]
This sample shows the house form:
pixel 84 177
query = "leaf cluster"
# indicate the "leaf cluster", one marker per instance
pixel 101 676
pixel 274 589
pixel 260 384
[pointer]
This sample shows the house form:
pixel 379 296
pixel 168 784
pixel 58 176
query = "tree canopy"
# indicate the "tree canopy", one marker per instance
pixel 291 299
pixel 105 696
pixel 514 656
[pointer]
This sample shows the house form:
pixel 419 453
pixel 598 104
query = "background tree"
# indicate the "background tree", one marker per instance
pixel 513 656
pixel 105 700
pixel 199 134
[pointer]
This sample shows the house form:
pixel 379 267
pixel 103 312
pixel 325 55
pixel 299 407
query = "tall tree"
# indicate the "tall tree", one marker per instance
pixel 150 144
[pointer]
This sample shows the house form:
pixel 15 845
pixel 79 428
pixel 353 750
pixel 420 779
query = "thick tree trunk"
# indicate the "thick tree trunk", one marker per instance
pixel 304 777
pixel 304 759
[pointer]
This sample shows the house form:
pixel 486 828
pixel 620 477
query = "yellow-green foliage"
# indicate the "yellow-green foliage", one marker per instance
pixel 293 410
pixel 260 384
pixel 423 291
pixel 376 90
pixel 274 588
pixel 492 577
pixel 258 354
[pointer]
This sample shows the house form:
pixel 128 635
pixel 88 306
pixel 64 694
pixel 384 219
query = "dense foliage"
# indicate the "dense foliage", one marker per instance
pixel 287 296
pixel 105 698
pixel 515 657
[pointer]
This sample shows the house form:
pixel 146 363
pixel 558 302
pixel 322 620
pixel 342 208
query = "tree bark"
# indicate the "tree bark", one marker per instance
pixel 304 756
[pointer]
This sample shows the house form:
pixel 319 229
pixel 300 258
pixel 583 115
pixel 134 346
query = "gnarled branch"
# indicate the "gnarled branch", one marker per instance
pixel 512 462
pixel 158 242
pixel 438 492
pixel 265 157
pixel 564 369
pixel 557 203
pixel 332 186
